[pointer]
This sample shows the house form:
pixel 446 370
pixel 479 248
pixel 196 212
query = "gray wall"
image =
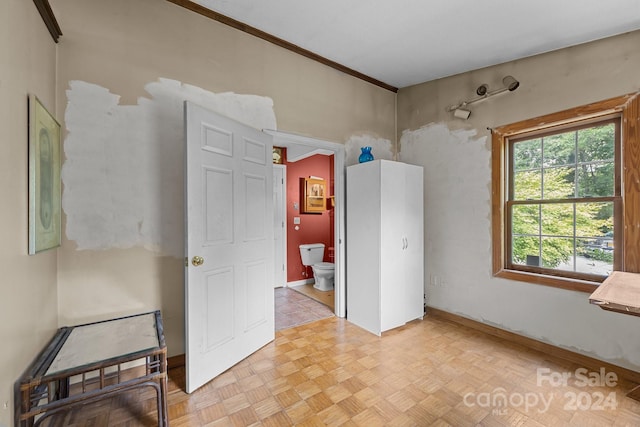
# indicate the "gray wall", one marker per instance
pixel 29 301
pixel 456 156
pixel 111 58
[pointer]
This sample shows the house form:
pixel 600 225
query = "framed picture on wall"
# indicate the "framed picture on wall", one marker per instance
pixel 44 178
pixel 278 155
pixel 314 191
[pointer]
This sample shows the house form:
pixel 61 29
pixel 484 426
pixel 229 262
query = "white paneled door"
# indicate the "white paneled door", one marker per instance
pixel 229 249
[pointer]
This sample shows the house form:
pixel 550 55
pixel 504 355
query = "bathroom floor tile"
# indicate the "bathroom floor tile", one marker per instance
pixel 325 297
pixel 293 308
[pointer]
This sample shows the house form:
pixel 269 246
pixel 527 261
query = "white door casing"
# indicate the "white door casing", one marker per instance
pixel 279 222
pixel 229 203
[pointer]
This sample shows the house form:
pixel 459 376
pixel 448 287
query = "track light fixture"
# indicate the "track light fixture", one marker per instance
pixel 459 110
pixel 510 83
pixel 461 113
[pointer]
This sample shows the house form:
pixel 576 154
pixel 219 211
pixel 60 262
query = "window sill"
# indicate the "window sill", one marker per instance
pixel 547 280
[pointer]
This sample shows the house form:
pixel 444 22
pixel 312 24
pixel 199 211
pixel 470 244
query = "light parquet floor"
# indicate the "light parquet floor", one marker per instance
pixel 427 373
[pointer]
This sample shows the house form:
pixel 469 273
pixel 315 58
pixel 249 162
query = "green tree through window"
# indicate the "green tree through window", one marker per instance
pixel 561 190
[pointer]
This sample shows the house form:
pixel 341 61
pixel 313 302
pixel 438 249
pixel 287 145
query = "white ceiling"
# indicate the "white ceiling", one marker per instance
pixel 404 42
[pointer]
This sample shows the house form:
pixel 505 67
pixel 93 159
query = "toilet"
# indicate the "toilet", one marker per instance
pixel 323 272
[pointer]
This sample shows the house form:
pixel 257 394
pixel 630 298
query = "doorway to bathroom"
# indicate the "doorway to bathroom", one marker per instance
pixel 299 148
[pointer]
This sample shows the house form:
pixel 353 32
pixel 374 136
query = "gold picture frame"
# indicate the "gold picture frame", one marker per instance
pixel 44 178
pixel 314 193
pixel 278 155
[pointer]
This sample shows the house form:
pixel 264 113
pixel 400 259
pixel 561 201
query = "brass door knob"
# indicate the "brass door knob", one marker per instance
pixel 197 261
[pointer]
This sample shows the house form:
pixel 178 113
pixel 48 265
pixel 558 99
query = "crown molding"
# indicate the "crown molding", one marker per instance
pixel 49 18
pixel 195 7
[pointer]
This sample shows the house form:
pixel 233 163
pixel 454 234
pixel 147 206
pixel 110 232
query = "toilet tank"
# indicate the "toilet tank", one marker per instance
pixel 312 253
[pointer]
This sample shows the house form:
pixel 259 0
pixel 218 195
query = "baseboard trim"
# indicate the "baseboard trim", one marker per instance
pixel 176 361
pixel 300 283
pixel 558 352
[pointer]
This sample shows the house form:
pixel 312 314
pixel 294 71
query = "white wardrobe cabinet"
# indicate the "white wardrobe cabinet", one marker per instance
pixel 385 244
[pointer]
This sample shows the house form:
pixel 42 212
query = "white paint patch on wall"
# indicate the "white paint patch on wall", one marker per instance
pixel 124 170
pixel 457 209
pixel 457 178
pixel 382 149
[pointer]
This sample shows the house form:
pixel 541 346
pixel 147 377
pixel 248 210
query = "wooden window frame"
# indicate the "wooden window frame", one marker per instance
pixel 627 211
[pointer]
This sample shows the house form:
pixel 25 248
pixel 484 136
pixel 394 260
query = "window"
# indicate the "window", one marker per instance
pixel 558 212
pixel 563 189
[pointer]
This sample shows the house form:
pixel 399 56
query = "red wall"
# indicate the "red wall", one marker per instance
pixel 314 228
